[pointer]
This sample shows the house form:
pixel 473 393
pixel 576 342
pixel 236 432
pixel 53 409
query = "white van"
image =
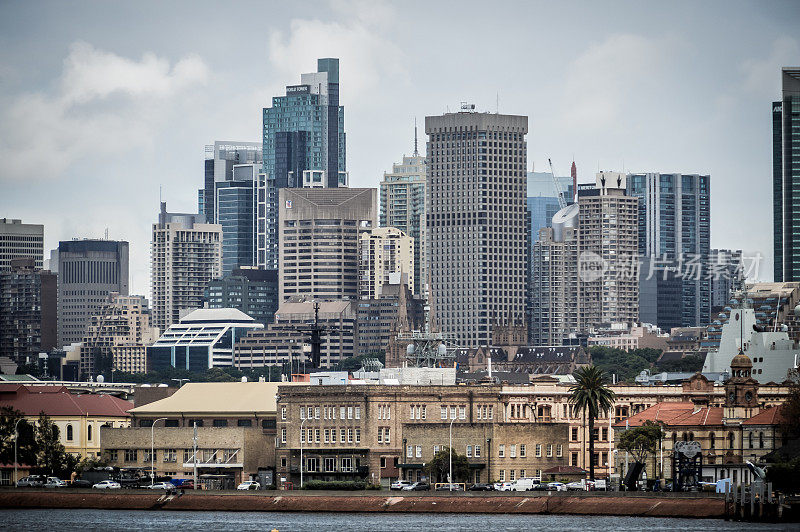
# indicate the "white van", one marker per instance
pixel 525 484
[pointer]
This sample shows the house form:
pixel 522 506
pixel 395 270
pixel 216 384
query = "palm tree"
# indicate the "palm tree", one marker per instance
pixel 591 396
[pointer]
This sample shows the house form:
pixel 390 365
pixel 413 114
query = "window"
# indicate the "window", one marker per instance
pixel 349 435
pixel 573 459
pixel 538 450
pixel 549 450
pixel 188 456
pixel 170 455
pixel 220 423
pixel 316 412
pixel 605 434
pixel 309 413
pixel 750 440
pixel 283 413
pixel 148 457
pixel 436 449
pixel 386 435
pixel 112 455
pixel 462 412
pixel 712 441
pixel 316 435
pixel 469 451
pixel 302 435
pixel 410 451
pixel 330 464
pixel 760 440
pixel 477 451
pixel 283 461
pixel 491 412
pixel 419 451
pixel 380 434
pixel 283 435
pixel 424 409
pixel 444 412
pixel 574 433
pixel 312 464
pixel 342 412
pixel 342 437
pixel 523 451
pixel 604 458
pixel 512 475
pixel 347 465
pixel 358 435
pixel 327 435
pixel 302 412
pixel 244 423
pixel 502 475
pixel 349 412
pixel 357 412
pixel 521 473
pixel 501 451
pixel 69 433
pixel 383 462
pixel 559 451
pixel 89 432
pixel 512 451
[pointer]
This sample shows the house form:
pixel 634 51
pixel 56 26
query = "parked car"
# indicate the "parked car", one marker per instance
pixel 449 487
pixel 79 484
pixel 55 482
pixel 418 486
pixel 503 486
pixel 524 484
pixel 576 486
pixel 161 486
pixel 32 481
pixel 557 486
pixel 249 485
pixel 107 485
pixel 400 484
pixel 481 487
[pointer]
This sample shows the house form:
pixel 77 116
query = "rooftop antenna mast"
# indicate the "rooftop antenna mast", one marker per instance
pixel 416 151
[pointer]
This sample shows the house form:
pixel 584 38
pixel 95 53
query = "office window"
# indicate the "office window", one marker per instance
pixel 574 459
pixel 521 473
pixel 326 435
pixel 349 435
pixel 302 435
pixel 512 475
pixel 342 437
pixel 330 464
pixel 316 435
pixel 349 412
pixel 574 434
pixel 357 412
pixel 316 412
pixel 559 450
pixel 283 461
pixel 462 412
pixel 419 451
pixel 444 412
pixel 342 412
pixel 410 451
pixel 469 451
pixel 312 464
pixel 512 451
pixel 310 413
pixel 477 451
pixel 502 475
pixel 386 435
pixel 538 450
pixel 358 435
pixel 347 465
pixel 112 455
pixel 522 451
pixel 380 434
pixel 283 413
pixel 452 412
pixel 283 435
pixel 549 450
pixel 501 451
pixel 424 411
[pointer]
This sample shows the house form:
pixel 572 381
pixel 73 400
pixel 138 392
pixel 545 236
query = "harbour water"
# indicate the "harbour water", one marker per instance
pixel 351 522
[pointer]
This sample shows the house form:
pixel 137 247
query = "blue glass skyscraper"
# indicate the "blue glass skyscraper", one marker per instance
pixel 786 176
pixel 303 132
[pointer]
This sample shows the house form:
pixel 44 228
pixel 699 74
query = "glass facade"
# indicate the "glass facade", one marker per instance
pixel 234 207
pixel 786 177
pixel 254 292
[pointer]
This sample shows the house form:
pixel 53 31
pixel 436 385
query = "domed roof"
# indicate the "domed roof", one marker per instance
pixel 741 361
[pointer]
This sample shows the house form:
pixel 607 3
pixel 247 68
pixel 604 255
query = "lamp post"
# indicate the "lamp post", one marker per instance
pixel 152 450
pixel 302 438
pixel 16 439
pixel 453 418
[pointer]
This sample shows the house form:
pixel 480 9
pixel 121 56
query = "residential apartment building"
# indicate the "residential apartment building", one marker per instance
pixel 476 222
pixel 117 337
pixel 386 256
pixel 88 271
pixel 19 240
pixel 320 230
pixel 396 310
pixel 402 206
pixel 674 238
pixel 786 175
pixel 726 270
pixel 28 311
pixel 304 145
pixel 629 337
pixel 186 254
pixel 253 291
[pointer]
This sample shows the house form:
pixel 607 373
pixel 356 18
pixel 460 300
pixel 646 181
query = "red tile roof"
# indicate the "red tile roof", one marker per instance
pixel 770 416
pixel 57 401
pixel 676 414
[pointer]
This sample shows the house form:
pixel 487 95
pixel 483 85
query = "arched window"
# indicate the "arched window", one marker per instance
pixel 69 432
pixel 750 439
pixel 691 436
pixel 674 439
pixel 712 441
pixel 760 440
pixel 89 433
pixel 731 440
pixel 685 437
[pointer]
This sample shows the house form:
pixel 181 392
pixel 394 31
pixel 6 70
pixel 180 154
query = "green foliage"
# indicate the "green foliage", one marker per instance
pixel 270 373
pixel 89 463
pixel 690 363
pixel 785 476
pixel 642 441
pixel 439 467
pixel 26 453
pixel 346 485
pixel 355 363
pixel 50 455
pixel 626 365
pixel 591 396
pixel 790 410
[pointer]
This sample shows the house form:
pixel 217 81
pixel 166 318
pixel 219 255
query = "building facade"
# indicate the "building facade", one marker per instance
pixel 303 133
pixel 396 310
pixel 320 230
pixel 476 222
pixel 221 159
pixel 253 291
pixel 88 271
pixel 403 206
pixel 674 236
pixel 727 276
pixel 186 254
pixel 785 174
pixel 386 255
pixel 28 311
pixel 18 240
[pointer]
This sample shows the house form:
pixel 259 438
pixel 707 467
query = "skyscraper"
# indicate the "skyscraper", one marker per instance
pixel 18 240
pixel 476 222
pixel 319 237
pixel 304 140
pixel 403 206
pixel 786 176
pixel 728 276
pixel 251 290
pixel 386 256
pixel 221 159
pixel 88 271
pixel 674 243
pixel 186 254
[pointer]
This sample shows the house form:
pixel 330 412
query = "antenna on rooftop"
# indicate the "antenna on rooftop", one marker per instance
pixel 416 151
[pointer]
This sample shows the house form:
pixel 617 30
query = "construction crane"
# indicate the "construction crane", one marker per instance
pixel 316 331
pixel 559 191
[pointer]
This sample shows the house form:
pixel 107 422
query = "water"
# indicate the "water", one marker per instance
pixel 351 522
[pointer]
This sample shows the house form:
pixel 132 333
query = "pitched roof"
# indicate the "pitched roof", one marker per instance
pixel 57 401
pixel 676 414
pixel 770 416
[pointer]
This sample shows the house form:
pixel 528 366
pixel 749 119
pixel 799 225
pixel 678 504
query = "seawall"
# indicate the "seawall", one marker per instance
pixel 596 504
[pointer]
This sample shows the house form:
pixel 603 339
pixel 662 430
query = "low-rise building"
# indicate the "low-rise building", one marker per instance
pixel 622 336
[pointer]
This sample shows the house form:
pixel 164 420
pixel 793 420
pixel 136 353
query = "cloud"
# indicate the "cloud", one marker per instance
pixel 42 135
pixel 358 39
pixel 762 76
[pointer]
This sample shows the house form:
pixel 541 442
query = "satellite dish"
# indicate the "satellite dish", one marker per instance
pixel 101 379
pixel 410 349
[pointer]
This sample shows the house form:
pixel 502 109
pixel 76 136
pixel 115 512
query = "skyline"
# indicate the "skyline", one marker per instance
pixel 125 110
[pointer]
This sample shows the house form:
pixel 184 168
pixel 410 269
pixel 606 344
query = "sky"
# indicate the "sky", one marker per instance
pixel 107 106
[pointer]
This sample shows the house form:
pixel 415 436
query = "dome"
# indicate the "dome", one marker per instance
pixel 741 361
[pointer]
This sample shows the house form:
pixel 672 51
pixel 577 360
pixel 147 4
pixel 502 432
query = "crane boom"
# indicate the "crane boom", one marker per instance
pixel 559 191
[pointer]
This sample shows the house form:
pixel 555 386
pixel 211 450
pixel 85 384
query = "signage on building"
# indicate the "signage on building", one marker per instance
pixel 297 89
pixel 288 204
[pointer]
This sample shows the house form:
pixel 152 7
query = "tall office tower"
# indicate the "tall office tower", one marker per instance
pixel 542 199
pixel 674 243
pixel 186 254
pixel 396 310
pixel 386 257
pixel 220 165
pixel 304 145
pixel 727 276
pixel 18 240
pixel 786 176
pixel 88 271
pixel 253 291
pixel 476 222
pixel 117 337
pixel 28 311
pixel 403 206
pixel 319 235
pixel 585 269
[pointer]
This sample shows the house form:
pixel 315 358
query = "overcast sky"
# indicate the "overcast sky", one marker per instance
pixel 103 102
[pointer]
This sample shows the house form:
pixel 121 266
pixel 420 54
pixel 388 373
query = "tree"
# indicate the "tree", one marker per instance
pixel 790 409
pixel 591 396
pixel 643 440
pixel 692 362
pixel 50 454
pixel 439 467
pixel 26 453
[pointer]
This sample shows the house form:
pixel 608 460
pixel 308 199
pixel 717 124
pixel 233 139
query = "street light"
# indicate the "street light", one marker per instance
pixel 302 438
pixel 452 418
pixel 152 450
pixel 181 381
pixel 16 438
